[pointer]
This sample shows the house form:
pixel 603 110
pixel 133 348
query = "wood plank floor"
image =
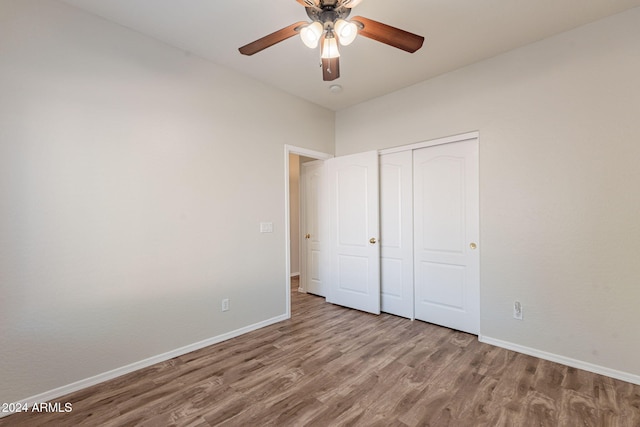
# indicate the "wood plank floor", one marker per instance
pixel 331 366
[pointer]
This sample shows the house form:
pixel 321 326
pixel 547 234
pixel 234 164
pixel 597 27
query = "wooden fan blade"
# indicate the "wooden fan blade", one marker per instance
pixel 353 3
pixel 330 69
pixel 308 3
pixel 271 39
pixel 387 34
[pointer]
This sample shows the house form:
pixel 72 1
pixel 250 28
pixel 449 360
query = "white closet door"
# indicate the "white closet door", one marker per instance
pixel 312 229
pixel 396 233
pixel 446 234
pixel 354 231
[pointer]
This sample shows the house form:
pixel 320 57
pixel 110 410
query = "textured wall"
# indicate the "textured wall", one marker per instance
pixel 133 178
pixel 559 179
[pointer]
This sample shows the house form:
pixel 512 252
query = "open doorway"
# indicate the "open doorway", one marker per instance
pixel 294 157
pixel 297 210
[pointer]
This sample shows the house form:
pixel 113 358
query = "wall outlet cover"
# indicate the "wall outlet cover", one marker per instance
pixel 517 310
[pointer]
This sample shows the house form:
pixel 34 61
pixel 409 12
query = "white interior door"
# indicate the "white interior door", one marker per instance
pixel 396 233
pixel 354 231
pixel 447 283
pixel 312 228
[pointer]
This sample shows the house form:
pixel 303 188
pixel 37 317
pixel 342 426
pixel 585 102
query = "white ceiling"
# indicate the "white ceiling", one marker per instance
pixel 457 33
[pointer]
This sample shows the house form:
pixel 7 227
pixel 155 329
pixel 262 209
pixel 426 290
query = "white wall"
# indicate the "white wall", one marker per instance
pixel 559 178
pixel 133 178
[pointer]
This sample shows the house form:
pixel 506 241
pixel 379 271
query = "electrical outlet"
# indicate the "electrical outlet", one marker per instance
pixel 225 304
pixel 517 310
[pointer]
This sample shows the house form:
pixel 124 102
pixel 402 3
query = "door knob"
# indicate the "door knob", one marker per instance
pixel 472 245
pixel 307 236
pixel 372 240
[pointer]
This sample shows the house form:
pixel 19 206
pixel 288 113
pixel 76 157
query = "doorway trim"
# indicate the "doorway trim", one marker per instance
pixel 300 151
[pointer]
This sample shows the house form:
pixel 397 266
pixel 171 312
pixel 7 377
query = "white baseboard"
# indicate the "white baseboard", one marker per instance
pixel 88 382
pixel 574 363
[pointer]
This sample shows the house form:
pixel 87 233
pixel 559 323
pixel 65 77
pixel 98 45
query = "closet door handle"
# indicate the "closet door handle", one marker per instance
pixel 307 236
pixel 473 245
pixel 372 240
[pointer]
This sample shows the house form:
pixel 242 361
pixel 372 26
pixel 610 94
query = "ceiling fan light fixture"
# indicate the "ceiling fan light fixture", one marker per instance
pixel 330 48
pixel 346 31
pixel 311 34
pixel 329 26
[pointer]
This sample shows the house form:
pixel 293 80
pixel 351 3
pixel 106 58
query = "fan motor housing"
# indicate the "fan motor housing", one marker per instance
pixel 327 14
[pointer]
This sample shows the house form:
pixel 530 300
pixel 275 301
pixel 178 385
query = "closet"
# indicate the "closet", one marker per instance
pixel 402 232
pixel 429 233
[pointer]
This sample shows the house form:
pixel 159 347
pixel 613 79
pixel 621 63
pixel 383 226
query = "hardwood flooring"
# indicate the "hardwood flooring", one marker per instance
pixel 332 366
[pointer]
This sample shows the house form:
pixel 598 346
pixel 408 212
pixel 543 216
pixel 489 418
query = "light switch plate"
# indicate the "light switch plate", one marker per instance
pixel 266 227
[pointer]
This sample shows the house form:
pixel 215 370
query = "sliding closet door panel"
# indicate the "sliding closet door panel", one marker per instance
pixel 446 235
pixel 355 228
pixel 396 233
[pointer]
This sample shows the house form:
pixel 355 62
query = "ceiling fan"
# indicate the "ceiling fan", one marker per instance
pixel 328 26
